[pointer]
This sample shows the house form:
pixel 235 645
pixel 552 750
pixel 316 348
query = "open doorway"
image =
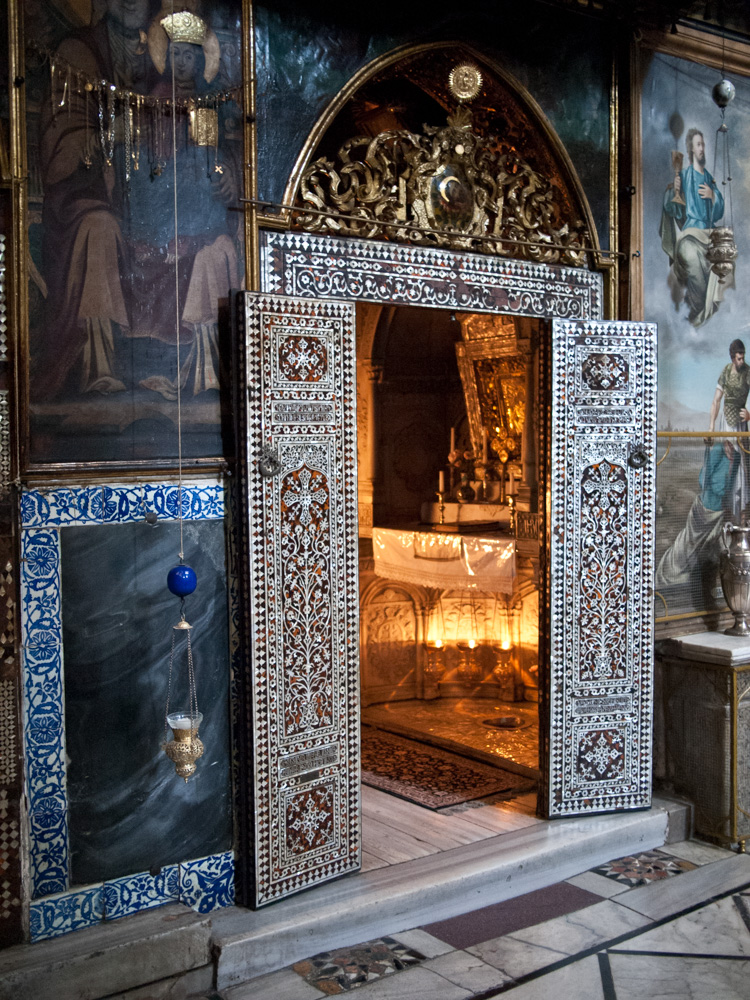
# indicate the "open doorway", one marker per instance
pixel 449 599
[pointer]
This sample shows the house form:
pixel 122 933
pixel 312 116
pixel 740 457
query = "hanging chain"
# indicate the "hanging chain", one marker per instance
pixel 177 296
pixel 128 129
pixel 169 690
pixel 137 144
pixel 86 113
pixel 192 688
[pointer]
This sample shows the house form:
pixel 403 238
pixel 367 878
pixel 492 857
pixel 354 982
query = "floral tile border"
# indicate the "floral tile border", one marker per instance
pixel 118 504
pixel 70 911
pixel 203 884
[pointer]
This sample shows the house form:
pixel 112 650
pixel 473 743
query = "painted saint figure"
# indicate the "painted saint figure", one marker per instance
pixel 108 225
pixel 692 207
pixel 724 481
pixel 206 254
pixel 84 253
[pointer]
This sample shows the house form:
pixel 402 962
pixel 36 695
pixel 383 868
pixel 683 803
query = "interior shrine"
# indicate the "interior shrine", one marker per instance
pixel 357 557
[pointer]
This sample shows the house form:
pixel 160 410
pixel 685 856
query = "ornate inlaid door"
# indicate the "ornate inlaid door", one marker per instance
pixel 302 599
pixel 601 536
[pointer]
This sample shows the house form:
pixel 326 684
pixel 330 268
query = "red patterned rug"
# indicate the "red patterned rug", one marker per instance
pixel 430 776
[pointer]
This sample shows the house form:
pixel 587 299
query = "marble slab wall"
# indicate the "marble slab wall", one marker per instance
pixel 128 810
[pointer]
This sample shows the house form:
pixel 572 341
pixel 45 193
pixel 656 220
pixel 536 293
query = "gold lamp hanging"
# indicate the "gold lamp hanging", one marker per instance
pixel 185 747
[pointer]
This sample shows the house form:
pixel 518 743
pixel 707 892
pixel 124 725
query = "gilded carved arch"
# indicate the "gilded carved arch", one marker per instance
pixel 377 158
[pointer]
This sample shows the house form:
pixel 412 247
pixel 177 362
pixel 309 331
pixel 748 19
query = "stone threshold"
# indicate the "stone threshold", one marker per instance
pixel 230 946
pixel 388 900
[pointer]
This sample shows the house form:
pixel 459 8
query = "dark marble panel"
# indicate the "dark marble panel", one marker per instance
pixel 306 54
pixel 129 812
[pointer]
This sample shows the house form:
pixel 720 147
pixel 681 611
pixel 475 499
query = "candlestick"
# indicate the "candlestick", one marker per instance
pixel 441 505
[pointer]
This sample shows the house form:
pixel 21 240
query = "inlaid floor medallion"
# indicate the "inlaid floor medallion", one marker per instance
pixel 639 869
pixel 336 972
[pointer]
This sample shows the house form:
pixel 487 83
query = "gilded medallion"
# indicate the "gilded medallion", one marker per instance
pixel 465 81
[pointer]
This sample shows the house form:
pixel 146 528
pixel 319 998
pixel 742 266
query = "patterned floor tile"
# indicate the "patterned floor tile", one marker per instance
pixel 640 869
pixel 336 972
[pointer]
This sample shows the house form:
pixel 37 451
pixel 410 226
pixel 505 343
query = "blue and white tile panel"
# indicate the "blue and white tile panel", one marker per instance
pixel 112 504
pixel 202 884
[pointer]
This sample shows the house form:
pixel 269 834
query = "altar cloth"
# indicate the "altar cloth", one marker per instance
pixel 447 561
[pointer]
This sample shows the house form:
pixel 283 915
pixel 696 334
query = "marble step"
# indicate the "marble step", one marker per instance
pixel 387 900
pixel 111 957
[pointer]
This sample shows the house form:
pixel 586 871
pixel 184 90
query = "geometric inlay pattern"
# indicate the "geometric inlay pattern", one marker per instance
pixel 10 840
pixel 7 608
pixel 312 266
pixel 309 821
pixel 603 558
pixel 3 304
pixel 7 733
pixel 203 883
pixel 301 540
pixel 640 869
pixel 605 371
pixel 601 754
pixel 601 542
pixel 336 972
pixel 4 442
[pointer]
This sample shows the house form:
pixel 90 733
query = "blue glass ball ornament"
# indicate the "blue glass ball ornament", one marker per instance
pixel 182 581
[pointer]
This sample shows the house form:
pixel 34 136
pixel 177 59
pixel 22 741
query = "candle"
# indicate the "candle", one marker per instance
pixel 453 439
pixel 484 446
pixel 441 482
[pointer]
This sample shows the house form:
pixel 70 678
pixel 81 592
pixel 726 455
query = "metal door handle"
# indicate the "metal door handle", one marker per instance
pixel 269 463
pixel 638 457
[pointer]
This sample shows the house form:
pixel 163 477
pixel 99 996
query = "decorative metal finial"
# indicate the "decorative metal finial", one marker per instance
pixel 465 81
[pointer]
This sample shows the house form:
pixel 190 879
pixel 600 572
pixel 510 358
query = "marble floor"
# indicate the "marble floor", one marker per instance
pixel 667 923
pixel 473 724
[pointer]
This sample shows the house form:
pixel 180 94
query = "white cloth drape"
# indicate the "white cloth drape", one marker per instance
pixel 447 561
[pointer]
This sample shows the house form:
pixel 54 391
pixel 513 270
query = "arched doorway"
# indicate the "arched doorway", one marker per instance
pixel 594 487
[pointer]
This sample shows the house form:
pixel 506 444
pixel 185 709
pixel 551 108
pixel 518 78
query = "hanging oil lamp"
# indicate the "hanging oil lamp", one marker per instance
pixel 185 747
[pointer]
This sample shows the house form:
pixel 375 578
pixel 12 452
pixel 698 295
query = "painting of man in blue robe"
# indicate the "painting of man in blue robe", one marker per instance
pixel 693 205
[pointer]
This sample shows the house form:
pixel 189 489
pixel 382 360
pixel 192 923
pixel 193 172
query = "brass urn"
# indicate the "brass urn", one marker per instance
pixel 734 570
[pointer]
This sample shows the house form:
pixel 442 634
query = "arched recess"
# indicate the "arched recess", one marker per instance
pixel 408 88
pixel 393 626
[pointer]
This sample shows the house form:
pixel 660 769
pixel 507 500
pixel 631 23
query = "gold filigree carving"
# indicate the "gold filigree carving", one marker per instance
pixel 446 187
